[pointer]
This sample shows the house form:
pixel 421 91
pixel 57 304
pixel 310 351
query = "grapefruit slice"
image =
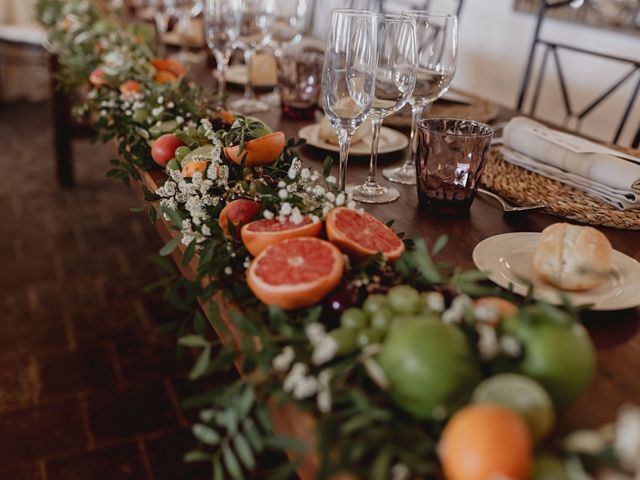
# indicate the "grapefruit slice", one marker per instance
pixel 237 212
pixel 259 151
pixel 259 234
pixel 359 234
pixel 295 273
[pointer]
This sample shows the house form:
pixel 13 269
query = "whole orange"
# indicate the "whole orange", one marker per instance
pixel 484 442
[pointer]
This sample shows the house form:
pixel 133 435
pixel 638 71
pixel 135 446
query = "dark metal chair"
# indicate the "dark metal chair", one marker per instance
pixel 551 50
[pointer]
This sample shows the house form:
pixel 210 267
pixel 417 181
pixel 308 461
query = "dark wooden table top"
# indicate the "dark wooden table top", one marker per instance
pixel 616 335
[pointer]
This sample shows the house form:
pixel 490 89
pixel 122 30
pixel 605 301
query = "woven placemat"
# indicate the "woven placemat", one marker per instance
pixel 479 109
pixel 522 187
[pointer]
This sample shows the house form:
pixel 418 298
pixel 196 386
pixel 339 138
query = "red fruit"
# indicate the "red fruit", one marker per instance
pixel 164 148
pixel 238 212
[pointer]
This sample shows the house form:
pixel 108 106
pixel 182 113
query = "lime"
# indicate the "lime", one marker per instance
pixel 430 367
pixel 163 127
pixel 354 318
pixel 523 395
pixel 404 299
pixel 173 165
pixel 375 302
pixel 346 340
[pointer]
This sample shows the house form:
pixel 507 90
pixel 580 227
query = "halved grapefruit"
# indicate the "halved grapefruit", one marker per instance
pixel 359 234
pixel 259 151
pixel 295 273
pixel 259 234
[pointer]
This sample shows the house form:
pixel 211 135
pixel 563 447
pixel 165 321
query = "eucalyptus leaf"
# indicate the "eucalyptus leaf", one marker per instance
pixel 253 435
pixel 197 456
pixel 170 246
pixel 290 444
pixel 243 451
pixel 218 472
pixel 205 434
pixel 231 463
pixel 201 365
pixel 174 216
pixel 194 341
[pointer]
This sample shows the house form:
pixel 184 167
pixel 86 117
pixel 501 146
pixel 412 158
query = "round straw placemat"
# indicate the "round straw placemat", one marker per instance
pixel 522 187
pixel 478 109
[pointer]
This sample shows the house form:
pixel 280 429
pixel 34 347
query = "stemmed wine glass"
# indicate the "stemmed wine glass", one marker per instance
pixel 185 11
pixel 437 46
pixel 162 11
pixel 256 18
pixel 394 82
pixel 221 32
pixel 348 76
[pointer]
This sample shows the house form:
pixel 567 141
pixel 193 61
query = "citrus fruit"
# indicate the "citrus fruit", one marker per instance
pixel 557 352
pixel 259 234
pixel 169 65
pixel 164 76
pixel 194 166
pixel 237 212
pixel 226 116
pixel 96 78
pixel 130 86
pixel 164 148
pixel 484 442
pixel 360 234
pixel 259 151
pixel 296 272
pixel 521 394
pixel 430 366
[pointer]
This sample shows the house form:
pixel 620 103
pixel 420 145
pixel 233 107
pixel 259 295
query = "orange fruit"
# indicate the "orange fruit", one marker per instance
pixel 226 116
pixel 164 76
pixel 130 86
pixel 296 272
pixel 259 234
pixel 259 151
pixel 237 212
pixel 194 166
pixel 97 78
pixel 360 234
pixel 484 442
pixel 169 65
pixel 503 307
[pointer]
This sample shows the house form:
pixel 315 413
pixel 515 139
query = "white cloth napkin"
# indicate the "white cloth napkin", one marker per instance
pixel 607 174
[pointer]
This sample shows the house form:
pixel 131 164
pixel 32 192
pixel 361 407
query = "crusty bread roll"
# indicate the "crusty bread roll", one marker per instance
pixel 572 257
pixel 327 133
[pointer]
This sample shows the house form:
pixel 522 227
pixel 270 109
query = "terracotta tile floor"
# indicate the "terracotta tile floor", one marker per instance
pixel 88 388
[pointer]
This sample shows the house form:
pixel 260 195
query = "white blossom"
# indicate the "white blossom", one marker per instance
pixel 627 437
pixel 283 194
pixel 228 271
pixel 284 359
pixel 488 345
pixel 510 346
pixel 324 350
pixel 434 301
pixel 268 214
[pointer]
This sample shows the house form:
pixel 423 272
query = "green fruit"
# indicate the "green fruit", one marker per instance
pixel 549 468
pixel 368 336
pixel 346 340
pixel 558 352
pixel 430 367
pixel 523 395
pixel 182 152
pixel 404 299
pixel 375 302
pixel 169 126
pixel 354 318
pixel 141 115
pixel 173 164
pixel 199 153
pixel 381 319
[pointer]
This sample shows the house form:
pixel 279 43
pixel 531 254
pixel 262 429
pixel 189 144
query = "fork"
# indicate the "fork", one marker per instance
pixel 507 208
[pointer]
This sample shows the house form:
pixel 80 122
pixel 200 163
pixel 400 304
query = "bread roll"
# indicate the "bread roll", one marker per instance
pixel 327 133
pixel 572 257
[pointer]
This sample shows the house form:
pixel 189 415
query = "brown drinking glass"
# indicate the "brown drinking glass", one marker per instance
pixel 299 77
pixel 451 157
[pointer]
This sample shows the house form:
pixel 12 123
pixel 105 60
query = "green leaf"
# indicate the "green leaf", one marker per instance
pixel 170 246
pixel 174 216
pixel 201 365
pixel 243 323
pixel 262 415
pixel 218 473
pixel 440 243
pixel 245 402
pixel 252 433
pixel 189 252
pixel 288 443
pixel 206 434
pixel 381 465
pixel 136 209
pixel 326 166
pixel 228 419
pixel 243 451
pixel 196 456
pixel 230 461
pixel 193 341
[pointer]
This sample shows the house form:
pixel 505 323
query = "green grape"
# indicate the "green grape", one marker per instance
pixel 368 336
pixel 404 299
pixel 354 318
pixel 381 319
pixel 375 302
pixel 181 152
pixel 346 340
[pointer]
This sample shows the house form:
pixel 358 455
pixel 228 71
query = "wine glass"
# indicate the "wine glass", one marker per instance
pixel 256 19
pixel 185 11
pixel 289 24
pixel 221 32
pixel 348 76
pixel 165 20
pixel 394 82
pixel 437 46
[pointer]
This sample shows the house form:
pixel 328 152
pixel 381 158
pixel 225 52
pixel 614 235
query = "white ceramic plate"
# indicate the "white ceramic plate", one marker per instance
pixel 507 259
pixel 237 74
pixel 390 141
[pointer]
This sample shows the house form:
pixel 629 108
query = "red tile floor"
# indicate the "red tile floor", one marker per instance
pixel 88 387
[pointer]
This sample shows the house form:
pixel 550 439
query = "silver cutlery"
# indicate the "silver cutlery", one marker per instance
pixel 507 208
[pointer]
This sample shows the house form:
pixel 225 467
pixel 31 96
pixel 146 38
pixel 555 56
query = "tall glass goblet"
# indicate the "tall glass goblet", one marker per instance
pixel 221 31
pixel 394 83
pixel 437 45
pixel 186 11
pixel 165 20
pixel 256 19
pixel 348 76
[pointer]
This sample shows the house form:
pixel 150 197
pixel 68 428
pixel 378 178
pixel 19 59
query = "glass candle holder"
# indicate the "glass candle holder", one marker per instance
pixel 299 77
pixel 450 160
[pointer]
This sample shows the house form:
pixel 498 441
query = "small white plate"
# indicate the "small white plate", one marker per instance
pixel 390 141
pixel 237 74
pixel 508 259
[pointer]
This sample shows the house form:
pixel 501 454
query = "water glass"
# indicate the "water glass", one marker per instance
pixel 299 75
pixel 450 160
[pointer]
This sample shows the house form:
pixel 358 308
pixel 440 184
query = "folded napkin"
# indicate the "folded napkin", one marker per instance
pixel 611 176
